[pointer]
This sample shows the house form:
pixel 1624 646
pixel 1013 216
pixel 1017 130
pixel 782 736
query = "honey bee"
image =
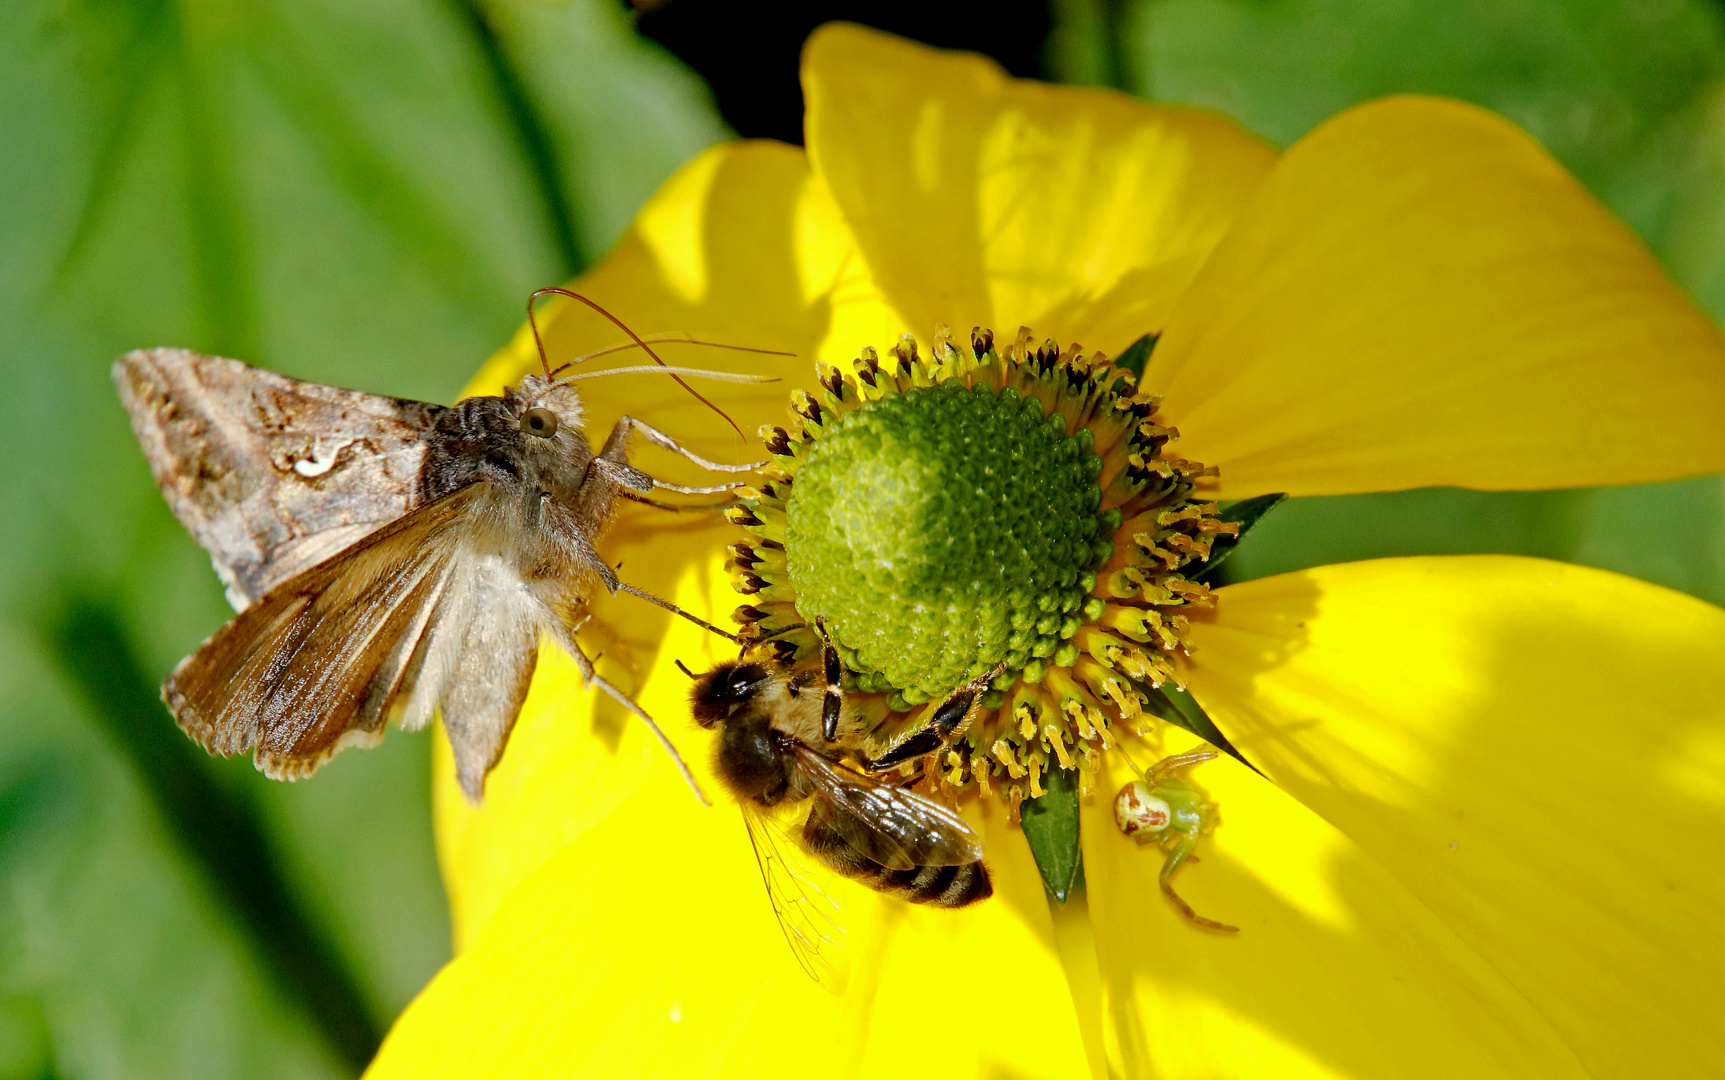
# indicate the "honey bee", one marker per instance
pixel 774 751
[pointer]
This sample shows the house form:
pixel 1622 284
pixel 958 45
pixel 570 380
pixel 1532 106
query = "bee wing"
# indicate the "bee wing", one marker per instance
pixel 808 917
pixel 318 662
pixel 892 826
pixel 269 474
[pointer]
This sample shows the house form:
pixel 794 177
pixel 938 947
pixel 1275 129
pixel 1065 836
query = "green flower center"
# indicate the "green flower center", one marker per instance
pixel 942 531
pixel 986 508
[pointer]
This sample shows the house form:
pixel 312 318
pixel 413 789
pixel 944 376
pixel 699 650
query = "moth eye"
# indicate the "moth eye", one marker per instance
pixel 540 422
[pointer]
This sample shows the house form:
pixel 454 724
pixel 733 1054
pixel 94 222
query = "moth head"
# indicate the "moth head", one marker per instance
pixel 544 407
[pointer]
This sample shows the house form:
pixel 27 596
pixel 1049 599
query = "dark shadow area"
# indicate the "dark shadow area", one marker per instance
pixel 221 832
pixel 748 52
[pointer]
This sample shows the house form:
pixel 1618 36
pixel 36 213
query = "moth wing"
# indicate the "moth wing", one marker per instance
pixel 318 662
pixel 807 916
pixel 892 826
pixel 269 474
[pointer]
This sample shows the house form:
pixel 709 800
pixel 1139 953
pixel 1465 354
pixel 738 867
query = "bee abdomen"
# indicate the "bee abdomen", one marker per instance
pixel 937 886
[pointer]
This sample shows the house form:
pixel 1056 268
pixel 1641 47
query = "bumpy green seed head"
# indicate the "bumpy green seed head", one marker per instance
pixel 995 505
pixel 944 530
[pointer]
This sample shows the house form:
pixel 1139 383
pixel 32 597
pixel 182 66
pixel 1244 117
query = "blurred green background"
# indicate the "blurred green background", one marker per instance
pixel 363 192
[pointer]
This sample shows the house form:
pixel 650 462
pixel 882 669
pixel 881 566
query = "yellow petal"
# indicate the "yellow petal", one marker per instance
pixel 1419 295
pixel 575 755
pixel 1535 751
pixel 646 947
pixel 739 247
pixel 1338 970
pixel 983 200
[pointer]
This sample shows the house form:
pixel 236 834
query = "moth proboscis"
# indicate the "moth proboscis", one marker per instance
pixel 387 557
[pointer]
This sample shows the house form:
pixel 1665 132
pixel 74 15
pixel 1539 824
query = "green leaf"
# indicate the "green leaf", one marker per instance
pixel 1246 513
pixel 360 192
pixel 1182 710
pixel 1051 827
pixel 1137 355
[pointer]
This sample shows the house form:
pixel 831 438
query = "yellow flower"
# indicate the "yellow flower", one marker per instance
pixel 1490 843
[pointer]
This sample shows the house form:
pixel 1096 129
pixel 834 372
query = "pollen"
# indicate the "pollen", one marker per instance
pixel 1007 520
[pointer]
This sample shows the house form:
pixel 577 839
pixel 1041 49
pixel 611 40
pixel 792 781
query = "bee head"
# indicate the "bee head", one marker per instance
pixel 725 691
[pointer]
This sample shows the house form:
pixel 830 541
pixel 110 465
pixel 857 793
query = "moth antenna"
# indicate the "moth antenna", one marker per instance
pixel 647 369
pixel 636 338
pixel 668 606
pixel 538 343
pixel 671 339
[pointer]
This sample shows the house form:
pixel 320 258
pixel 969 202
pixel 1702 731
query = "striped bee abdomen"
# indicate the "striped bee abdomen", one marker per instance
pixel 938 886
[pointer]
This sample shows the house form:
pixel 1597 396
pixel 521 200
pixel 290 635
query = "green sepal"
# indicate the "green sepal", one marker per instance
pixel 1247 513
pixel 1137 355
pixel 1050 824
pixel 1182 710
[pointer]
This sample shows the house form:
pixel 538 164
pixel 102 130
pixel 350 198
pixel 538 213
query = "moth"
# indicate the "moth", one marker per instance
pixel 388 558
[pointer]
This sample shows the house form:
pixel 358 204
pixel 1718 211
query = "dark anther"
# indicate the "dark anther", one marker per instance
pixel 981 340
pixel 749 583
pixel 779 443
pixel 747 613
pixel 771 545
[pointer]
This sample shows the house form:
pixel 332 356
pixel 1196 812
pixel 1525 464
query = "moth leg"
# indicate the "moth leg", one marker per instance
pixel 675 508
pixel 566 638
pixel 674 609
pixel 712 489
pixel 627 477
pixel 625 424
pixel 833 703
pixel 590 556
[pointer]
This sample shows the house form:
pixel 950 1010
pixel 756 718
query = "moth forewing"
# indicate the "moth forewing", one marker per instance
pixel 388 557
pixel 270 475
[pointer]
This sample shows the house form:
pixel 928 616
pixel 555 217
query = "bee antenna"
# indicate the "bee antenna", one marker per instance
pixel 621 325
pixel 685 670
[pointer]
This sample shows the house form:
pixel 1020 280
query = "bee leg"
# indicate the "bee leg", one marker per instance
pixel 566 637
pixel 947 720
pixel 833 703
pixel 620 433
pixel 1176 856
pixel 953 711
pixel 924 742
